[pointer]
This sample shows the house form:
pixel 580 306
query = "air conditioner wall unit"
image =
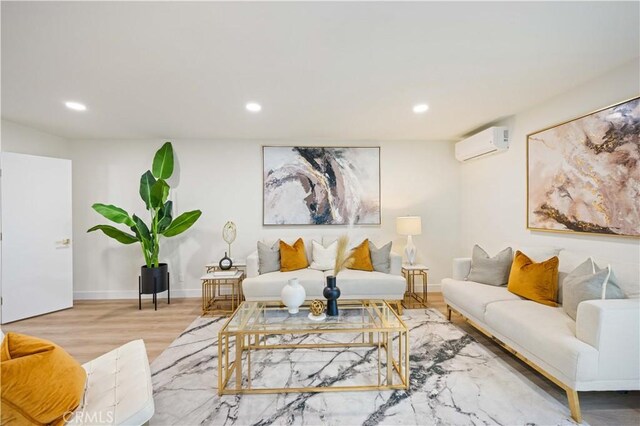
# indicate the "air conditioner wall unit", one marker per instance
pixel 489 141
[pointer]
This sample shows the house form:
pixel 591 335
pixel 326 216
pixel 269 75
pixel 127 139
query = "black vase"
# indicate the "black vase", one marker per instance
pixel 332 293
pixel 154 280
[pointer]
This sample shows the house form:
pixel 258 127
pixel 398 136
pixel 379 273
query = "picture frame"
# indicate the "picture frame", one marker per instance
pixel 582 173
pixel 321 185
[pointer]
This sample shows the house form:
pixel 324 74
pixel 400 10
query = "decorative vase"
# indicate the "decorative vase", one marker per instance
pixel 332 293
pixel 293 295
pixel 225 263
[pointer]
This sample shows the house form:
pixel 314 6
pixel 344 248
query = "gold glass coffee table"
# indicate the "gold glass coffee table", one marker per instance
pixel 264 349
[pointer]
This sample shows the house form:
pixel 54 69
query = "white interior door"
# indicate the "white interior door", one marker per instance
pixel 37 259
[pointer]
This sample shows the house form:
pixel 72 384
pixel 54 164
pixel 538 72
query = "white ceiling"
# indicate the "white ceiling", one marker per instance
pixel 347 71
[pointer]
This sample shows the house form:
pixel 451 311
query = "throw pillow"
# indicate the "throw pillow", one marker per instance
pixel 381 257
pixel 361 257
pixel 268 257
pixel 588 282
pixel 534 281
pixel 490 270
pixel 40 381
pixel 324 258
pixel 293 257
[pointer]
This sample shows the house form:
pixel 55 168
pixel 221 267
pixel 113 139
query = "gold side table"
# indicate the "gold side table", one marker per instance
pixel 412 298
pixel 221 292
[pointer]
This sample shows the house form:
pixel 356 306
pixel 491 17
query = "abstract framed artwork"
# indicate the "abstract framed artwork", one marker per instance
pixel 321 185
pixel 583 175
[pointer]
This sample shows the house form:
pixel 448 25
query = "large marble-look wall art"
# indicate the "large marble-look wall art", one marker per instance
pixel 321 185
pixel 584 175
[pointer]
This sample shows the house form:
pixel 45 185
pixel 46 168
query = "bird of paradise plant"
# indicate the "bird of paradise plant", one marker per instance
pixel 154 191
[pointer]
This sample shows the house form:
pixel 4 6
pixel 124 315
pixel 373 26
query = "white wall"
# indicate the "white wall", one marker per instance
pixel 224 180
pixel 26 140
pixel 493 189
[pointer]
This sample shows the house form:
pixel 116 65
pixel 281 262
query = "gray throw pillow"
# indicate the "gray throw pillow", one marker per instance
pixel 585 268
pixel 268 257
pixel 588 282
pixel 381 257
pixel 490 270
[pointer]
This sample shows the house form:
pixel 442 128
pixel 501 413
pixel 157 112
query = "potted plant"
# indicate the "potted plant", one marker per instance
pixel 154 191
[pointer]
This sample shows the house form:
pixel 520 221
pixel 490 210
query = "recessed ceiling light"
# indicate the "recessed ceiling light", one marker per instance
pixel 420 108
pixel 253 107
pixel 76 106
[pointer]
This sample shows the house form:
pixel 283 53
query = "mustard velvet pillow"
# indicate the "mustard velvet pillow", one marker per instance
pixel 361 256
pixel 40 381
pixel 293 257
pixel 534 281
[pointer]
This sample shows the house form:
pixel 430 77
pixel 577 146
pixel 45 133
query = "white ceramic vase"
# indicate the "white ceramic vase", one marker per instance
pixel 293 295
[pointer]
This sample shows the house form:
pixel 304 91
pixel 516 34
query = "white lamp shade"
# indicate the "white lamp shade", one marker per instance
pixel 409 225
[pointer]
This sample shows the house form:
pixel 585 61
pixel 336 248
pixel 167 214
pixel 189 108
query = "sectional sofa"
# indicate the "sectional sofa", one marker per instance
pixel 598 351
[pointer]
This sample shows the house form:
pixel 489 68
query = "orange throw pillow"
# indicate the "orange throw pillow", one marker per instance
pixel 41 383
pixel 293 257
pixel 534 281
pixel 361 257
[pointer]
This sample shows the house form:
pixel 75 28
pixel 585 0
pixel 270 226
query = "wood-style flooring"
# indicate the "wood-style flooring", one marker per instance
pixel 92 328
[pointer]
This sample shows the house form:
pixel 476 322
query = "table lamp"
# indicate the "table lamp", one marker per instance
pixel 409 226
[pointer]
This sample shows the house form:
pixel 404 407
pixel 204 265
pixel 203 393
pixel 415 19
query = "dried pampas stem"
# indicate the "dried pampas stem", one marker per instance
pixel 343 255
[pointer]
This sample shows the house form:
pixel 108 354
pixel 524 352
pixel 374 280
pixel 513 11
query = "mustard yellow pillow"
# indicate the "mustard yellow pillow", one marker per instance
pixel 534 281
pixel 40 381
pixel 293 257
pixel 361 257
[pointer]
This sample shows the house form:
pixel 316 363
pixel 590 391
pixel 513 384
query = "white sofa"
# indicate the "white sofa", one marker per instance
pixel 599 351
pixel 353 284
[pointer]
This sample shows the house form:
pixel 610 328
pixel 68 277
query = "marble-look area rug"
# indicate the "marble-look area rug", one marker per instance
pixel 454 381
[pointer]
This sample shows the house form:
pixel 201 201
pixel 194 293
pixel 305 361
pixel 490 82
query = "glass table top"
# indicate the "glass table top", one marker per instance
pixel 271 317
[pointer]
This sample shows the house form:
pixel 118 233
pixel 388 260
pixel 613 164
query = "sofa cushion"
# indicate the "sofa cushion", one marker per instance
pixel 293 257
pixel 626 272
pixel 546 332
pixel 268 286
pixel 355 284
pixel 381 257
pixel 324 258
pixel 361 257
pixel 490 270
pixel 474 297
pixel 268 257
pixel 534 281
pixel 588 282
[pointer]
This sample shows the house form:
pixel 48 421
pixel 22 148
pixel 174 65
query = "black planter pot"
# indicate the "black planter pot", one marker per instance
pixel 154 281
pixel 332 293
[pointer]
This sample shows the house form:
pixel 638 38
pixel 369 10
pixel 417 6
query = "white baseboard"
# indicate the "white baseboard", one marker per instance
pixel 132 294
pixel 434 288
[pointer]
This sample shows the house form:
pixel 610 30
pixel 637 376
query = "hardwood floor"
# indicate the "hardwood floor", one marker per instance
pixel 92 328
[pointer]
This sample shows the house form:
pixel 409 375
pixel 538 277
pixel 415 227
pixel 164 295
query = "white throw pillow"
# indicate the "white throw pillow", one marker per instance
pixel 324 258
